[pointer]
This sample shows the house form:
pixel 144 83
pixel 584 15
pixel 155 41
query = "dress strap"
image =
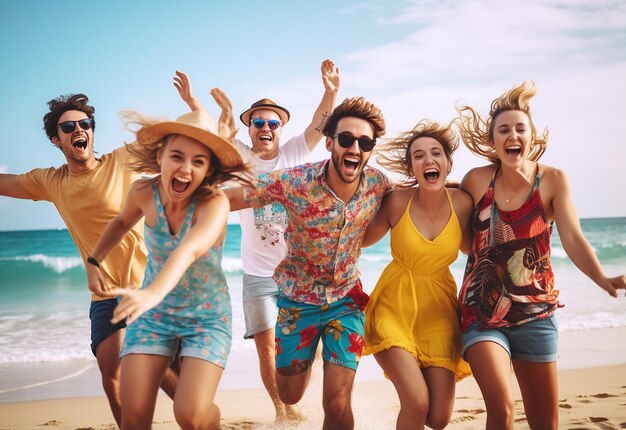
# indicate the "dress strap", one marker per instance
pixel 157 200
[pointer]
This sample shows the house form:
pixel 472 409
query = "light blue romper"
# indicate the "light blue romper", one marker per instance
pixel 197 311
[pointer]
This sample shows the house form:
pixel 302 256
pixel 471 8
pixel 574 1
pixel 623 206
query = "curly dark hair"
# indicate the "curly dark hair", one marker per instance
pixel 62 104
pixel 356 107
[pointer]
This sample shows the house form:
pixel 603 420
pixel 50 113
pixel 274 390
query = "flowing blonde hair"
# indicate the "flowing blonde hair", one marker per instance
pixel 143 159
pixel 394 153
pixel 477 134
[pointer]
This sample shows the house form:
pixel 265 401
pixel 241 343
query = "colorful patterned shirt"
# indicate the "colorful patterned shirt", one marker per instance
pixel 508 277
pixel 324 234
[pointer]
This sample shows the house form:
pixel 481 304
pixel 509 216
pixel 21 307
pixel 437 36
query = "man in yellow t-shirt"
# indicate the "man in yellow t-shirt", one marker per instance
pixel 89 192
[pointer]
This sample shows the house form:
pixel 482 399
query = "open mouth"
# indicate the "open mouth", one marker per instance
pixel 431 175
pixel 265 138
pixel 180 185
pixel 351 164
pixel 80 143
pixel 514 151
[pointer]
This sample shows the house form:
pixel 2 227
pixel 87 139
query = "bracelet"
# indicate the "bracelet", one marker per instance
pixel 93 261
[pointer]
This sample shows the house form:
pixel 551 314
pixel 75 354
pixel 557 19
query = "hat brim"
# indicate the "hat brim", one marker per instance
pixel 225 152
pixel 282 113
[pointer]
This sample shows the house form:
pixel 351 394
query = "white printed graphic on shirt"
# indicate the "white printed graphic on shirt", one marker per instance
pixel 271 222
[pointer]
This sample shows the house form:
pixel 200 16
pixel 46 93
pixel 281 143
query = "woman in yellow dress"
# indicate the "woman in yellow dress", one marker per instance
pixel 412 320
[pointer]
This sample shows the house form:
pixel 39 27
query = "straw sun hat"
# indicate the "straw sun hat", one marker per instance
pixel 268 104
pixel 196 125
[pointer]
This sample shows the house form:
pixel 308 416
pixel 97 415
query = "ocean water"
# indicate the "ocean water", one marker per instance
pixel 44 301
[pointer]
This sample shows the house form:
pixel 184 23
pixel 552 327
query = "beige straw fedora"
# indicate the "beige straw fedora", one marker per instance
pixel 196 125
pixel 269 104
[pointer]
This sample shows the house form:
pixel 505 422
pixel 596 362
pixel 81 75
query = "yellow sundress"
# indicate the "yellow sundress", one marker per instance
pixel 414 303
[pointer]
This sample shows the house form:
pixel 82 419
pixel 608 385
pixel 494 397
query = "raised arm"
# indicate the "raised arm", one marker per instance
pixel 10 188
pixel 183 85
pixel 574 242
pixel 211 217
pixel 112 235
pixel 226 123
pixel 330 78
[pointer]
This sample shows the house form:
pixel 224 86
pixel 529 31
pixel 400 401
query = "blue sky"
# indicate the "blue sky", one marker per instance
pixel 413 58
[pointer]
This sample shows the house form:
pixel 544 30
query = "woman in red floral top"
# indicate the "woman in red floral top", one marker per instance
pixel 508 297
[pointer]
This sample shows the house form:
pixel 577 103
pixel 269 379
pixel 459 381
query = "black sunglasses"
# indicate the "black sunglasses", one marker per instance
pixel 69 126
pixel 260 122
pixel 346 140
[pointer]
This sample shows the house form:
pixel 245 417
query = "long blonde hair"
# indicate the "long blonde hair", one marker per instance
pixel 394 153
pixel 143 159
pixel 477 134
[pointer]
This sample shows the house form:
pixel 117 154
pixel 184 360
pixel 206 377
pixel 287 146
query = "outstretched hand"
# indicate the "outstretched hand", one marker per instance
pixel 134 303
pixel 183 85
pixel 330 76
pixel 226 123
pixel 611 285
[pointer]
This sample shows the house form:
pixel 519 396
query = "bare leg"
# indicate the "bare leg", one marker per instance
pixel 141 375
pixel 193 404
pixel 491 366
pixel 170 378
pixel 405 374
pixel 337 396
pixel 538 383
pixel 107 356
pixel 292 382
pixel 441 385
pixel 266 350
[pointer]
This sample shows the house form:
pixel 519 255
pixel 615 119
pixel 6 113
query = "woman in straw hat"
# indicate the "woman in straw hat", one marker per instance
pixel 184 296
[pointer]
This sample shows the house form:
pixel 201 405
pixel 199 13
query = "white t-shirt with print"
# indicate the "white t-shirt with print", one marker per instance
pixel 262 230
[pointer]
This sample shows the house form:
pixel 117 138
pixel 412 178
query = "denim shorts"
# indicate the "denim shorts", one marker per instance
pixel 300 327
pixel 535 341
pixel 100 314
pixel 260 295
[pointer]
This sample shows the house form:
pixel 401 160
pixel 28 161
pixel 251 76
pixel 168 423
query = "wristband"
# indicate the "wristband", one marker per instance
pixel 93 261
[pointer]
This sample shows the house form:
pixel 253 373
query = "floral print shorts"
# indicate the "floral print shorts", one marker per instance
pixel 300 326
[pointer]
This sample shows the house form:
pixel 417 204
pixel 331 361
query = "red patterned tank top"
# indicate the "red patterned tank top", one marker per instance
pixel 508 278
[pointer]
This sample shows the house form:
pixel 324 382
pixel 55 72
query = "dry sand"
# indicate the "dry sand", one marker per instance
pixel 592 395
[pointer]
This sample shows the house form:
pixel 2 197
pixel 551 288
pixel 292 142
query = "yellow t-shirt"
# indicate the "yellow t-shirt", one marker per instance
pixel 87 202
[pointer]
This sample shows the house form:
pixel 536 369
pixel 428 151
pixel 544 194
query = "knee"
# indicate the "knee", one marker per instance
pixel 415 409
pixel 136 421
pixel 438 420
pixel 111 385
pixel 336 406
pixel 501 412
pixel 189 417
pixel 289 395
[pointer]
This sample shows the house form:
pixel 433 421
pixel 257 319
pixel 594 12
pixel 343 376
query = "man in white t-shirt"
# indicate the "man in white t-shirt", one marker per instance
pixel 262 242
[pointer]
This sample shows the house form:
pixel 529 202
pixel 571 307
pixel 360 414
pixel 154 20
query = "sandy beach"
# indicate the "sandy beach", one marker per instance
pixel 592 395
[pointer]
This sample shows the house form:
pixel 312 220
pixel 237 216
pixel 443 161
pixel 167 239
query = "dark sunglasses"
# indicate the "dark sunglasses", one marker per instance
pixel 69 126
pixel 346 140
pixel 260 122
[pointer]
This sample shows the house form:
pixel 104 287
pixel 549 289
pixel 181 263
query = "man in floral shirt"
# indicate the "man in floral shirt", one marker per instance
pixel 329 205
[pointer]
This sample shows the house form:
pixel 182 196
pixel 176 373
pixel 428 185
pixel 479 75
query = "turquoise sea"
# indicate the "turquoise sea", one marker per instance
pixel 44 300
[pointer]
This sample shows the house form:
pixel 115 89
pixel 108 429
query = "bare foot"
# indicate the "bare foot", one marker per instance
pixel 290 414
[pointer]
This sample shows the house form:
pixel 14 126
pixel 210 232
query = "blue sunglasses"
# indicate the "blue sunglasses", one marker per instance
pixel 258 123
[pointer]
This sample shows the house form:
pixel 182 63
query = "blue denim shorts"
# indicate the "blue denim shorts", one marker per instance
pixel 535 341
pixel 260 295
pixel 100 314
